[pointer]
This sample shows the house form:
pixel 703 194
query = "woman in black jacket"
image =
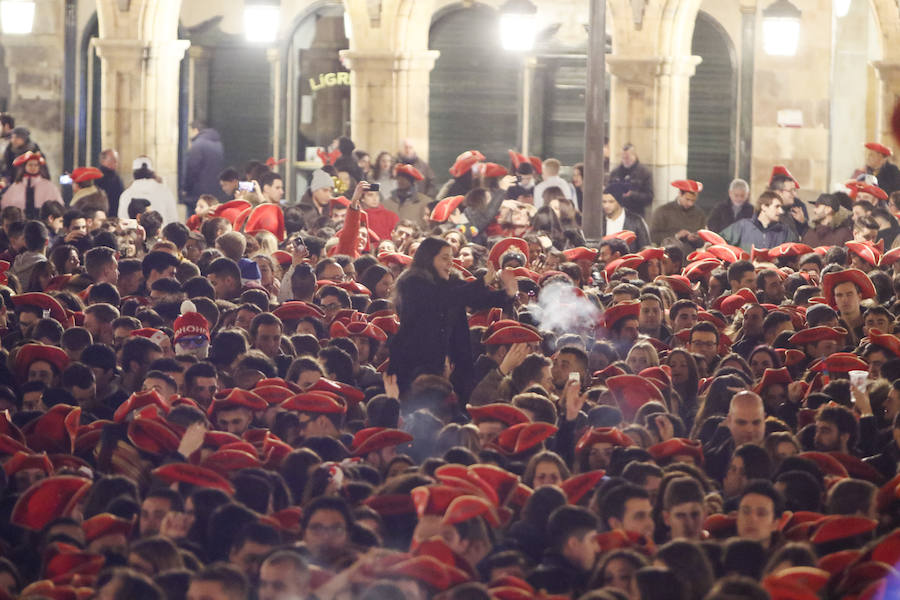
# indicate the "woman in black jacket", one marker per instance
pixel 434 328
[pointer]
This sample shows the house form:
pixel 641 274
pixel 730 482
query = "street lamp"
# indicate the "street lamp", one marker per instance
pixel 17 16
pixel 781 28
pixel 261 21
pixel 518 25
pixel 841 8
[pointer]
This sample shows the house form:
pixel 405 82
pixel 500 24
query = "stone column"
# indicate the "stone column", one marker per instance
pixel 123 65
pixel 649 108
pixel 198 83
pixel 389 98
pixel 273 55
pixel 889 77
pixel 162 109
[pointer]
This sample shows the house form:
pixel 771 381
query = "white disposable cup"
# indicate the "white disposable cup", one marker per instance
pixel 858 378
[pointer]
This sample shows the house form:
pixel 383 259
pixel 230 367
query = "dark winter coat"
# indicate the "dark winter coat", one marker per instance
pixel 636 223
pixel 434 326
pixel 640 185
pixel 722 215
pixel 112 185
pixel 748 233
pixel 205 160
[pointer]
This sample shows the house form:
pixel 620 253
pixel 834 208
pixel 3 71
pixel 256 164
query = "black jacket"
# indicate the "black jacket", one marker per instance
pixel 556 575
pixel 723 215
pixel 434 326
pixel 205 160
pixel 112 184
pixel 636 223
pixel 888 177
pixel 640 183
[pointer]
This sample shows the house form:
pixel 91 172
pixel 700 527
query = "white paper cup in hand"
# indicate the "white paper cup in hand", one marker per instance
pixel 858 379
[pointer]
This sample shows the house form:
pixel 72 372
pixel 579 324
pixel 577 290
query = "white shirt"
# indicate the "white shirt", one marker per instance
pixel 615 225
pixel 567 188
pixel 160 197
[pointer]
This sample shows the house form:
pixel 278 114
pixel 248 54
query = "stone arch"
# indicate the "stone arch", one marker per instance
pixel 887 16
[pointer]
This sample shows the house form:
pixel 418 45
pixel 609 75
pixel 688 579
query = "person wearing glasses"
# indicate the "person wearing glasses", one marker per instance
pixel 704 340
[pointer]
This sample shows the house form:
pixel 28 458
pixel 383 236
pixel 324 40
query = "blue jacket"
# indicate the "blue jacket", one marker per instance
pixel 747 233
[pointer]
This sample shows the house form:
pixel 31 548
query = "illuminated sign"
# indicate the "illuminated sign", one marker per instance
pixel 329 80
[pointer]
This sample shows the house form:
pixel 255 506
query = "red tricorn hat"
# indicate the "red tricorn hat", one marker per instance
pixel 426 570
pixel 465 161
pixel 619 538
pixel 373 439
pixel 410 171
pixel 840 362
pixel 389 505
pixel 711 237
pixel 855 276
pixel 493 170
pixel 811 335
pixel 23 460
pixel 631 392
pixel 837 562
pixel 790 249
pixel 193 475
pixel 389 324
pixel 838 527
pixel 45 302
pixel 54 431
pixel 782 170
pixel 231 209
pixel 139 400
pixel 434 499
pixel 445 208
pixel 890 343
pixel 826 463
pixel 358 329
pixel 577 486
pixel 728 254
pixel 297 309
pixel 24 158
pixel 464 508
pixel 627 236
pixel 315 402
pixel 888 549
pixel 721 526
pixel 515 334
pixel 889 257
pixel 85 174
pixel 394 258
pixel 266 217
pixel 66 565
pixel 152 436
pixel 652 253
pixel 237 397
pixel 688 185
pixel 857 468
pixel 622 310
pixel 503 246
pixel 773 376
pixel 523 437
pixel 673 448
pixel 273 394
pixel 345 390
pixel 499 412
pixel 225 461
pixel 679 283
pixel 874 190
pixel 701 268
pixel 105 524
pixel 865 251
pixel 48 499
pixel 879 148
pixel 603 435
pixel 581 253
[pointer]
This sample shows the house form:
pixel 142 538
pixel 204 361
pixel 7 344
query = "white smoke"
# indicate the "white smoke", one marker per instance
pixel 561 309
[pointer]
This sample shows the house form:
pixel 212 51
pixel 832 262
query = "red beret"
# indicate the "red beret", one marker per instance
pixel 465 161
pixel 773 376
pixel 30 353
pixel 505 245
pixel 235 398
pixel 629 261
pixel 840 362
pixel 782 170
pixel 581 253
pixel 631 392
pixel 22 460
pixel 389 505
pixel 838 527
pixel 879 148
pixel 855 276
pixel 193 475
pixel 85 174
pixel 445 208
pixel 105 524
pixel 577 486
pixel 394 258
pixel 373 439
pixel 315 402
pixel 857 468
pixel 48 499
pixel 622 310
pixel 603 435
pixel 522 437
pixel 688 185
pixel 812 335
pixel 499 411
pixel 675 447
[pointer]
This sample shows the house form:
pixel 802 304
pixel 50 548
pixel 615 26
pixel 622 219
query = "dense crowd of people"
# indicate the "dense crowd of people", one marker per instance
pixel 396 387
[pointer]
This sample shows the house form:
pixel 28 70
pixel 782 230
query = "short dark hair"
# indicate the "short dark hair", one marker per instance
pixel 36 236
pixel 229 174
pixel 137 349
pixel 268 178
pixel 327 503
pixel 843 419
pixel 566 522
pixel 738 268
pixel 612 505
pixel 78 375
pixel 177 233
pixel 229 577
pixel 848 496
pixel 47 329
pixel 615 245
pixel 707 327
pixel 224 267
pixel 197 287
pixel 157 260
pixel 201 369
pixel 97 258
pixel 72 214
pixel 680 305
pixel 682 490
pixel 76 338
pixel 263 318
pixel 763 487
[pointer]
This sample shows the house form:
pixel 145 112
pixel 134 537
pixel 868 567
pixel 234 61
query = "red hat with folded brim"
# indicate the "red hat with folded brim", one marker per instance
pixel 465 161
pixel 581 253
pixel 865 251
pixel 266 217
pixel 854 276
pixel 891 343
pixel 467 507
pixel 297 309
pixel 688 185
pixel 225 461
pixel 373 439
pixel 879 148
pixel 503 246
pixel 434 499
pixel 314 402
pixel 837 527
pixel 711 237
pixel 576 487
pixel 826 463
pixel 193 475
pixel 820 333
pixel 676 447
pixel 631 392
pixel 499 411
pixel 603 435
pixel 24 460
pixel 237 397
pixel 700 269
pixel 410 171
pixel 44 302
pixel 623 310
pixel 494 170
pixel 522 437
pixel 840 362
pixel 85 174
pixel 348 392
pixel 231 210
pixel 773 376
pixel 782 170
pixel 48 499
pixel 152 436
pixel 445 208
pixel 105 524
pixel 629 237
pixel 516 334
pixel 679 283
